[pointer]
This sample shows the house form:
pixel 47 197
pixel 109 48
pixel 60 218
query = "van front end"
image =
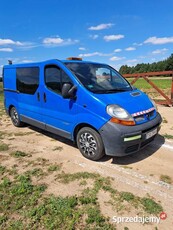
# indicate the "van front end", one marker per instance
pixel 121 140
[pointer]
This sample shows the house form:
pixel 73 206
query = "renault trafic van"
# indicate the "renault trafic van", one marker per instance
pixel 89 103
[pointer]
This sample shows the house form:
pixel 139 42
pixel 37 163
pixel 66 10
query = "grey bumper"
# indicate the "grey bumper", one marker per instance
pixel 122 140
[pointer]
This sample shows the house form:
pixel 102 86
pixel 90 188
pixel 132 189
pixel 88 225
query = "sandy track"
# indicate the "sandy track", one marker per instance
pixel 138 173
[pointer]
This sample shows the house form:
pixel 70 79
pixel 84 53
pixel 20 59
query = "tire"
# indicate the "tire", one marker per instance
pixel 15 117
pixel 90 144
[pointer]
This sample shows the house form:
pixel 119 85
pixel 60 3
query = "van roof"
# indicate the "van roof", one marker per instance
pixel 30 64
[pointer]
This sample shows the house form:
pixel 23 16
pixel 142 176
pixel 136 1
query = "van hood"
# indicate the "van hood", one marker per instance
pixel 133 101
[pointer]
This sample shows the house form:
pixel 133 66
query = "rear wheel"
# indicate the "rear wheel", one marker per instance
pixel 90 143
pixel 15 117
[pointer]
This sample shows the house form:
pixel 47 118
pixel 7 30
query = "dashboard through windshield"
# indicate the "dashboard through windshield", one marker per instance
pixel 99 78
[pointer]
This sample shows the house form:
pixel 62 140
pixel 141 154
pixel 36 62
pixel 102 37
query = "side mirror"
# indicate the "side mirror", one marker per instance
pixel 69 90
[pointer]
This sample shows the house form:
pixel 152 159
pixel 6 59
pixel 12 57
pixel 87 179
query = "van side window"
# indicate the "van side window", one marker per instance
pixel 65 78
pixel 55 78
pixel 27 79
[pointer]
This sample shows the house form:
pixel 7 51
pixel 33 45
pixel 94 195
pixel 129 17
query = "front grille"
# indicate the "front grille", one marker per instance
pixel 146 142
pixel 136 147
pixel 132 148
pixel 143 117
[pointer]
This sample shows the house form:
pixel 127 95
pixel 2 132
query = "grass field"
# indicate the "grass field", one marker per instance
pixel 24 204
pixel 162 83
pixel 1 92
pixel 2 110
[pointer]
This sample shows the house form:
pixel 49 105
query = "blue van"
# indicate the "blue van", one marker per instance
pixel 87 102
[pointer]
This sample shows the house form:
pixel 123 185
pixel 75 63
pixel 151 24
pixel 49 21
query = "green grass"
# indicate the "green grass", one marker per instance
pixel 89 195
pixel 54 167
pixel 1 92
pixel 19 154
pixel 166 179
pixel 33 209
pixel 161 83
pixel 37 172
pixel 3 147
pixel 168 136
pixel 58 148
pixel 2 169
pixel 67 177
pixel 2 110
pixel 150 206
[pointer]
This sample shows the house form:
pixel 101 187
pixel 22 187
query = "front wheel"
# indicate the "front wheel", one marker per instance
pixel 90 143
pixel 15 117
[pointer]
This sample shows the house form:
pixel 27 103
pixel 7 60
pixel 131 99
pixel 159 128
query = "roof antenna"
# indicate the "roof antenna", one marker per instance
pixel 10 62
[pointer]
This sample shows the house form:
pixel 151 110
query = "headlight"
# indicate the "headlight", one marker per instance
pixel 119 115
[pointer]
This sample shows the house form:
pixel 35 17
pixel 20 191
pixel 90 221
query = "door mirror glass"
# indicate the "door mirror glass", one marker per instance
pixel 69 91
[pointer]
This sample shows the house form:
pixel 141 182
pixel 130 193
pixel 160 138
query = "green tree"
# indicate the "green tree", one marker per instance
pixel 153 67
pixel 169 63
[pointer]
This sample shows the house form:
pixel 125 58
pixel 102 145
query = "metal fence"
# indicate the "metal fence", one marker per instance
pixel 168 100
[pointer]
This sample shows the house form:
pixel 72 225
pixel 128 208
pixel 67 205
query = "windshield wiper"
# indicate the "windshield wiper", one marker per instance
pixel 110 91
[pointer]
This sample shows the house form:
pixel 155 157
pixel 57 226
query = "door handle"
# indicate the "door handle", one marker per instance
pixel 44 97
pixel 38 96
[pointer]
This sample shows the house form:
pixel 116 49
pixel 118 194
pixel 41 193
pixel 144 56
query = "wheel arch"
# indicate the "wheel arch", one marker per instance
pixel 9 108
pixel 80 126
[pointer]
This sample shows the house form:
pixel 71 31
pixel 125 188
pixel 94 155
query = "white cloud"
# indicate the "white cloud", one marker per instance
pixel 116 58
pixel 6 50
pixel 117 50
pixel 10 42
pixel 113 37
pixel 161 51
pixel 52 41
pixel 57 41
pixel 95 36
pixel 94 54
pixel 82 48
pixel 101 26
pixel 159 41
pixel 130 49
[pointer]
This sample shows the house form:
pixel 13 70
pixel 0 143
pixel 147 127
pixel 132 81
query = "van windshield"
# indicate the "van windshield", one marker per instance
pixel 99 78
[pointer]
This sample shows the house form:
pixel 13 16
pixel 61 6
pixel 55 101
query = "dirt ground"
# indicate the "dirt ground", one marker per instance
pixel 139 173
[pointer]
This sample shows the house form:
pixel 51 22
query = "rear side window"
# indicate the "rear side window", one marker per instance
pixel 27 79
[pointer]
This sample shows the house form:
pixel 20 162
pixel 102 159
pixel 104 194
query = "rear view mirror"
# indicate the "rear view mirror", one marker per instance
pixel 69 90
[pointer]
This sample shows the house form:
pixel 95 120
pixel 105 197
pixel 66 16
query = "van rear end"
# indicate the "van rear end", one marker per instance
pixel 9 85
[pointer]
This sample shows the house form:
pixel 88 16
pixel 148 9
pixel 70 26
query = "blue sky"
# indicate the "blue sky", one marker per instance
pixel 112 31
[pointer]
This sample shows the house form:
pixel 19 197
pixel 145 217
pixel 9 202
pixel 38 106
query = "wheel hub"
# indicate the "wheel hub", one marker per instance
pixel 88 144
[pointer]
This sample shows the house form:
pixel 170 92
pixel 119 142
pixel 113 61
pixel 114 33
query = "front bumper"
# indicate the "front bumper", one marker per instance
pixel 122 140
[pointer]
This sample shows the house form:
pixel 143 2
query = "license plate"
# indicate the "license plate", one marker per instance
pixel 151 133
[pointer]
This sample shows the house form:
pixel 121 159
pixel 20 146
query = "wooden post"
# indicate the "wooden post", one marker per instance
pixel 172 90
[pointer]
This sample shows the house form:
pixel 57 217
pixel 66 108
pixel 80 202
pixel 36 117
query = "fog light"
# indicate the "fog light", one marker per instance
pixel 132 138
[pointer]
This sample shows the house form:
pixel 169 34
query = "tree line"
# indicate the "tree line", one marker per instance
pixel 164 65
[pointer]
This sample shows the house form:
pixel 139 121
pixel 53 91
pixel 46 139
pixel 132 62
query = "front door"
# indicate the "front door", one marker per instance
pixel 58 113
